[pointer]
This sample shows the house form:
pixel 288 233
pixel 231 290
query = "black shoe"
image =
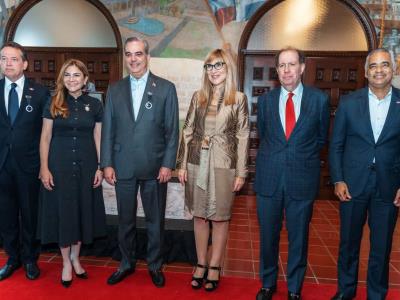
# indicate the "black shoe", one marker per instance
pixel 293 296
pixel 214 283
pixel 266 293
pixel 340 296
pixel 7 270
pixel 157 277
pixel 83 275
pixel 66 283
pixel 199 280
pixel 118 276
pixel 32 271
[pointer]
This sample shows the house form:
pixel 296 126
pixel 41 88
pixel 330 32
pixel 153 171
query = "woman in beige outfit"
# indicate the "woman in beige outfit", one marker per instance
pixel 212 160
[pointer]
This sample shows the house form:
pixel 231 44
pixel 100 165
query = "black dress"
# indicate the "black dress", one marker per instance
pixel 73 211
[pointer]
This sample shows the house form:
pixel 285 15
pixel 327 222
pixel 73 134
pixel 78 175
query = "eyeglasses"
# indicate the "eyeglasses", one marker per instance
pixel 217 66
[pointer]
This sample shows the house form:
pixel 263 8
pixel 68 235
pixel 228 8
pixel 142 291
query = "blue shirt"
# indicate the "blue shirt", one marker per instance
pixel 137 89
pixel 297 94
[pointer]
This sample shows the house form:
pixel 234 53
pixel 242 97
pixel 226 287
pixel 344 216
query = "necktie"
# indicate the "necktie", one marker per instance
pixel 13 105
pixel 290 118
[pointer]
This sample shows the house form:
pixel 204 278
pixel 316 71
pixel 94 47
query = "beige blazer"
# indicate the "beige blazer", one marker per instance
pixel 231 139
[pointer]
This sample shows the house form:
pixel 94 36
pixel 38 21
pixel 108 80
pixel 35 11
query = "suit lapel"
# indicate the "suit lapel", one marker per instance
pixel 128 97
pixel 304 110
pixel 3 112
pixel 147 98
pixel 275 113
pixel 393 114
pixel 365 115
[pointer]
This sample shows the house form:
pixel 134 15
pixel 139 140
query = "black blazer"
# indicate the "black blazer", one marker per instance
pixel 22 138
pixel 140 148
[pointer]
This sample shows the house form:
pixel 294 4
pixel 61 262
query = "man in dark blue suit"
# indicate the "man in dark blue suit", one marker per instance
pixel 365 166
pixel 21 106
pixel 293 123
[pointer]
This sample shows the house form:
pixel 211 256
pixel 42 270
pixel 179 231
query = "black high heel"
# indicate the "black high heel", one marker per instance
pixel 214 283
pixel 66 283
pixel 199 280
pixel 83 275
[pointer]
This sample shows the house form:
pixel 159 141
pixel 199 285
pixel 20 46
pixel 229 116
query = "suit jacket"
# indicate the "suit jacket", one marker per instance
pixel 22 138
pixel 230 143
pixel 140 148
pixel 353 148
pixel 297 160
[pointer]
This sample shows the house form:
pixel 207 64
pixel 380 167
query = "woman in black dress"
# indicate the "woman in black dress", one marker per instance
pixel 71 208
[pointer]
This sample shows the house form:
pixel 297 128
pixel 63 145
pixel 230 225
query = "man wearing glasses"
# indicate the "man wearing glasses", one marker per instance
pixel 138 151
pixel 293 124
pixel 364 160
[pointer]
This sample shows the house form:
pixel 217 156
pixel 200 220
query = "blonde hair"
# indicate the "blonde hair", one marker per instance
pixel 230 82
pixel 58 106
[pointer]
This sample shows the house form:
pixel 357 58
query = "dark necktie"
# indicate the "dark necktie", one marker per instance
pixel 13 104
pixel 290 118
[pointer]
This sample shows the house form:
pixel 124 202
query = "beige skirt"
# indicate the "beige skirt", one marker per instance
pixel 202 203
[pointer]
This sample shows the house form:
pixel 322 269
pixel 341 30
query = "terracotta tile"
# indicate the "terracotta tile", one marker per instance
pixel 238 244
pixel 239 254
pixel 327 272
pixel 238 265
pixel 239 274
pixel 320 260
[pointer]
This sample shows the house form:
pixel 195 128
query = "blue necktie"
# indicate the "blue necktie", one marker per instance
pixel 13 104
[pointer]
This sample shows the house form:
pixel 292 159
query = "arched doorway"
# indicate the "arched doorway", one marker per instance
pixel 336 36
pixel 51 34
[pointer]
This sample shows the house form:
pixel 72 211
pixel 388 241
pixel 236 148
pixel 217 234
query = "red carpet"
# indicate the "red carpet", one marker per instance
pixel 139 286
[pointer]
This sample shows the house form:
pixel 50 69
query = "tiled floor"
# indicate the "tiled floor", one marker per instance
pixel 242 253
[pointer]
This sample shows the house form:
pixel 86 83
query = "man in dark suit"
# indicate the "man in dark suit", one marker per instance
pixel 293 124
pixel 21 106
pixel 138 150
pixel 365 166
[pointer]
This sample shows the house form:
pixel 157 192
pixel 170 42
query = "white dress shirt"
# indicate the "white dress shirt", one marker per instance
pixel 378 110
pixel 297 94
pixel 19 89
pixel 137 88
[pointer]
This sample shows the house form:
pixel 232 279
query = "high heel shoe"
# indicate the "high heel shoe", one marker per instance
pixel 66 283
pixel 214 283
pixel 83 275
pixel 199 280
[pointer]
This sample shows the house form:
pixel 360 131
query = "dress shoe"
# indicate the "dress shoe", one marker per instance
pixel 340 296
pixel 32 271
pixel 7 270
pixel 66 283
pixel 266 293
pixel 83 275
pixel 119 275
pixel 293 296
pixel 157 277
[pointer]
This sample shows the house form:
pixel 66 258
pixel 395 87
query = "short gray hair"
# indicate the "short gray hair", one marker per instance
pixel 377 50
pixel 137 39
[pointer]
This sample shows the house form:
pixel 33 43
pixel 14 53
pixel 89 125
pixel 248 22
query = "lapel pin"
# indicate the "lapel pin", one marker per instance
pixel 28 107
pixel 397 102
pixel 154 84
pixel 31 89
pixel 87 107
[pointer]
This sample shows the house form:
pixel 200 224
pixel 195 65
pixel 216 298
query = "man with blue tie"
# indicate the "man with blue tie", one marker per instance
pixel 21 106
pixel 293 123
pixel 364 158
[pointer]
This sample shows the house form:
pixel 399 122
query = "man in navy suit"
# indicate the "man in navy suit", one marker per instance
pixel 21 106
pixel 365 166
pixel 293 124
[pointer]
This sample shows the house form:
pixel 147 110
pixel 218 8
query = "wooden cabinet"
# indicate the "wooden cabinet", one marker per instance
pixel 103 64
